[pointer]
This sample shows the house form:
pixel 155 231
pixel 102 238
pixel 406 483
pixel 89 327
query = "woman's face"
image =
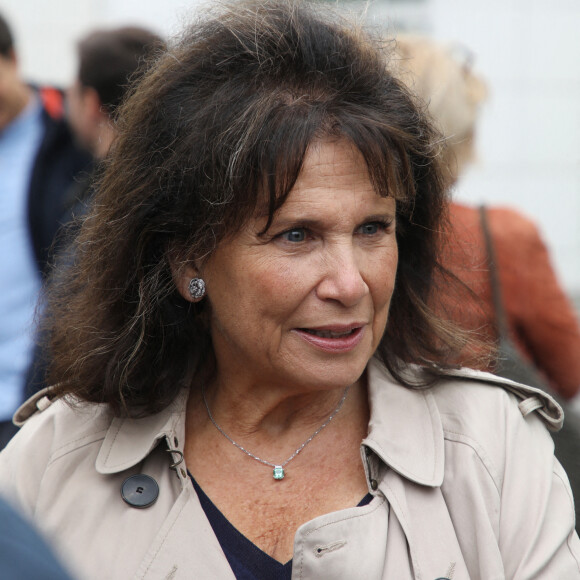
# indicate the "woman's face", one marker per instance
pixel 304 306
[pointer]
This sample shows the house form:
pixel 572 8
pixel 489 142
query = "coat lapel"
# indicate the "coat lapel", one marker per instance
pixel 405 429
pixel 408 461
pixel 433 547
pixel 185 547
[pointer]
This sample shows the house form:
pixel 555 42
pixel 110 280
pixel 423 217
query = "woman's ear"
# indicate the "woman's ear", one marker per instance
pixel 187 280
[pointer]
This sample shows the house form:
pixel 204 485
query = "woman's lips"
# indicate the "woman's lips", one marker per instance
pixel 333 339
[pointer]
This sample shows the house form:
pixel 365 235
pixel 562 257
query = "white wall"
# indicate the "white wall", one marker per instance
pixel 46 31
pixel 528 51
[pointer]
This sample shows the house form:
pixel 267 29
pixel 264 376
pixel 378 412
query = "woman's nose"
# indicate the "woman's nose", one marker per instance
pixel 342 278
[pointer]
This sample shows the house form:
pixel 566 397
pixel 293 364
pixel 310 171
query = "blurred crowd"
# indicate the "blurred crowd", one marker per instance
pixel 51 143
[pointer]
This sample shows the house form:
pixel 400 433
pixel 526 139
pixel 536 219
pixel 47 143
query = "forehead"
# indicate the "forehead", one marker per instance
pixel 332 160
pixel 333 172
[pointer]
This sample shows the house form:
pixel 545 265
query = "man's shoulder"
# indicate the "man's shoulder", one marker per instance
pixel 23 552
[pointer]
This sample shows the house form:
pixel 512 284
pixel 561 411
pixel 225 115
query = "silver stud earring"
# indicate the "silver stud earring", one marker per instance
pixel 196 289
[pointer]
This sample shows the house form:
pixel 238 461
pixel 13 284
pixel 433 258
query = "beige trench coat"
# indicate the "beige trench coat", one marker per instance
pixel 463 476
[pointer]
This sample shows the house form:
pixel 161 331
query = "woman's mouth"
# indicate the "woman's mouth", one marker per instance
pixel 335 339
pixel 328 333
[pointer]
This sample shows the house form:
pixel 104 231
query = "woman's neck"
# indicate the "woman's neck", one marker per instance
pixel 302 493
pixel 247 410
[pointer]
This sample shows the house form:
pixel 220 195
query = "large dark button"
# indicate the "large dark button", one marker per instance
pixel 140 491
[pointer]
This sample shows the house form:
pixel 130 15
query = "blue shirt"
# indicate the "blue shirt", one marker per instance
pixel 19 278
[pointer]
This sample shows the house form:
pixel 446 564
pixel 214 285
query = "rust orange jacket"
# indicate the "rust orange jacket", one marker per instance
pixel 541 318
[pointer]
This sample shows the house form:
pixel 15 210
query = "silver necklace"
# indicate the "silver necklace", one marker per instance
pixel 278 472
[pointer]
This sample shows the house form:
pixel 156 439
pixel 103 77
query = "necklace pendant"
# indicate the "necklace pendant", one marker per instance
pixel 278 472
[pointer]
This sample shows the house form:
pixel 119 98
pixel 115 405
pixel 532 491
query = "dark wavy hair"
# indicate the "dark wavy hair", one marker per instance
pixel 218 127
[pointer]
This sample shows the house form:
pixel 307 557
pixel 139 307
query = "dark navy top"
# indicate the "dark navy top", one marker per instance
pixel 247 561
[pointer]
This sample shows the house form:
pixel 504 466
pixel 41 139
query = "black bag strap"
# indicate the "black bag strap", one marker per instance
pixel 510 363
pixel 500 315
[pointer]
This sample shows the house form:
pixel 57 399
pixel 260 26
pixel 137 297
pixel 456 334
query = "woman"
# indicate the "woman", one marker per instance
pixel 233 340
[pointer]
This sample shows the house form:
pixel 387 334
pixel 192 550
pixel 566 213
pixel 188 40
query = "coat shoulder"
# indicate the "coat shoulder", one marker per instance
pixel 495 425
pixel 473 402
pixel 58 425
pixel 55 437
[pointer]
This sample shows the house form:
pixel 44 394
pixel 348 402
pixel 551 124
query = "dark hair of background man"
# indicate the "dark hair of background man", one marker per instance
pixel 108 60
pixel 6 39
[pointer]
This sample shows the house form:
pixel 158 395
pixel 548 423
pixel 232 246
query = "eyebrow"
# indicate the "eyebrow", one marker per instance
pixel 315 223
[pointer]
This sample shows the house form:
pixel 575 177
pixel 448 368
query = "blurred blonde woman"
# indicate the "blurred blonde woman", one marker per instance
pixel 443 79
pixel 540 318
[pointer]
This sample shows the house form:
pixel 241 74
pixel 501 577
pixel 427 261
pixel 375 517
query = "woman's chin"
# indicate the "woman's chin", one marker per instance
pixel 330 377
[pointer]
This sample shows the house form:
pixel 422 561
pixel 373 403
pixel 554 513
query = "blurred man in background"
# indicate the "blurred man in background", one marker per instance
pixel 108 61
pixel 38 162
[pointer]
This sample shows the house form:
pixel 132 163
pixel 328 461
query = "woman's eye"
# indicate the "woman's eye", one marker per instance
pixel 372 228
pixel 295 235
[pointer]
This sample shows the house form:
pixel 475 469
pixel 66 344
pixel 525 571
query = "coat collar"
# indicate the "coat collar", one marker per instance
pixel 129 441
pixel 410 442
